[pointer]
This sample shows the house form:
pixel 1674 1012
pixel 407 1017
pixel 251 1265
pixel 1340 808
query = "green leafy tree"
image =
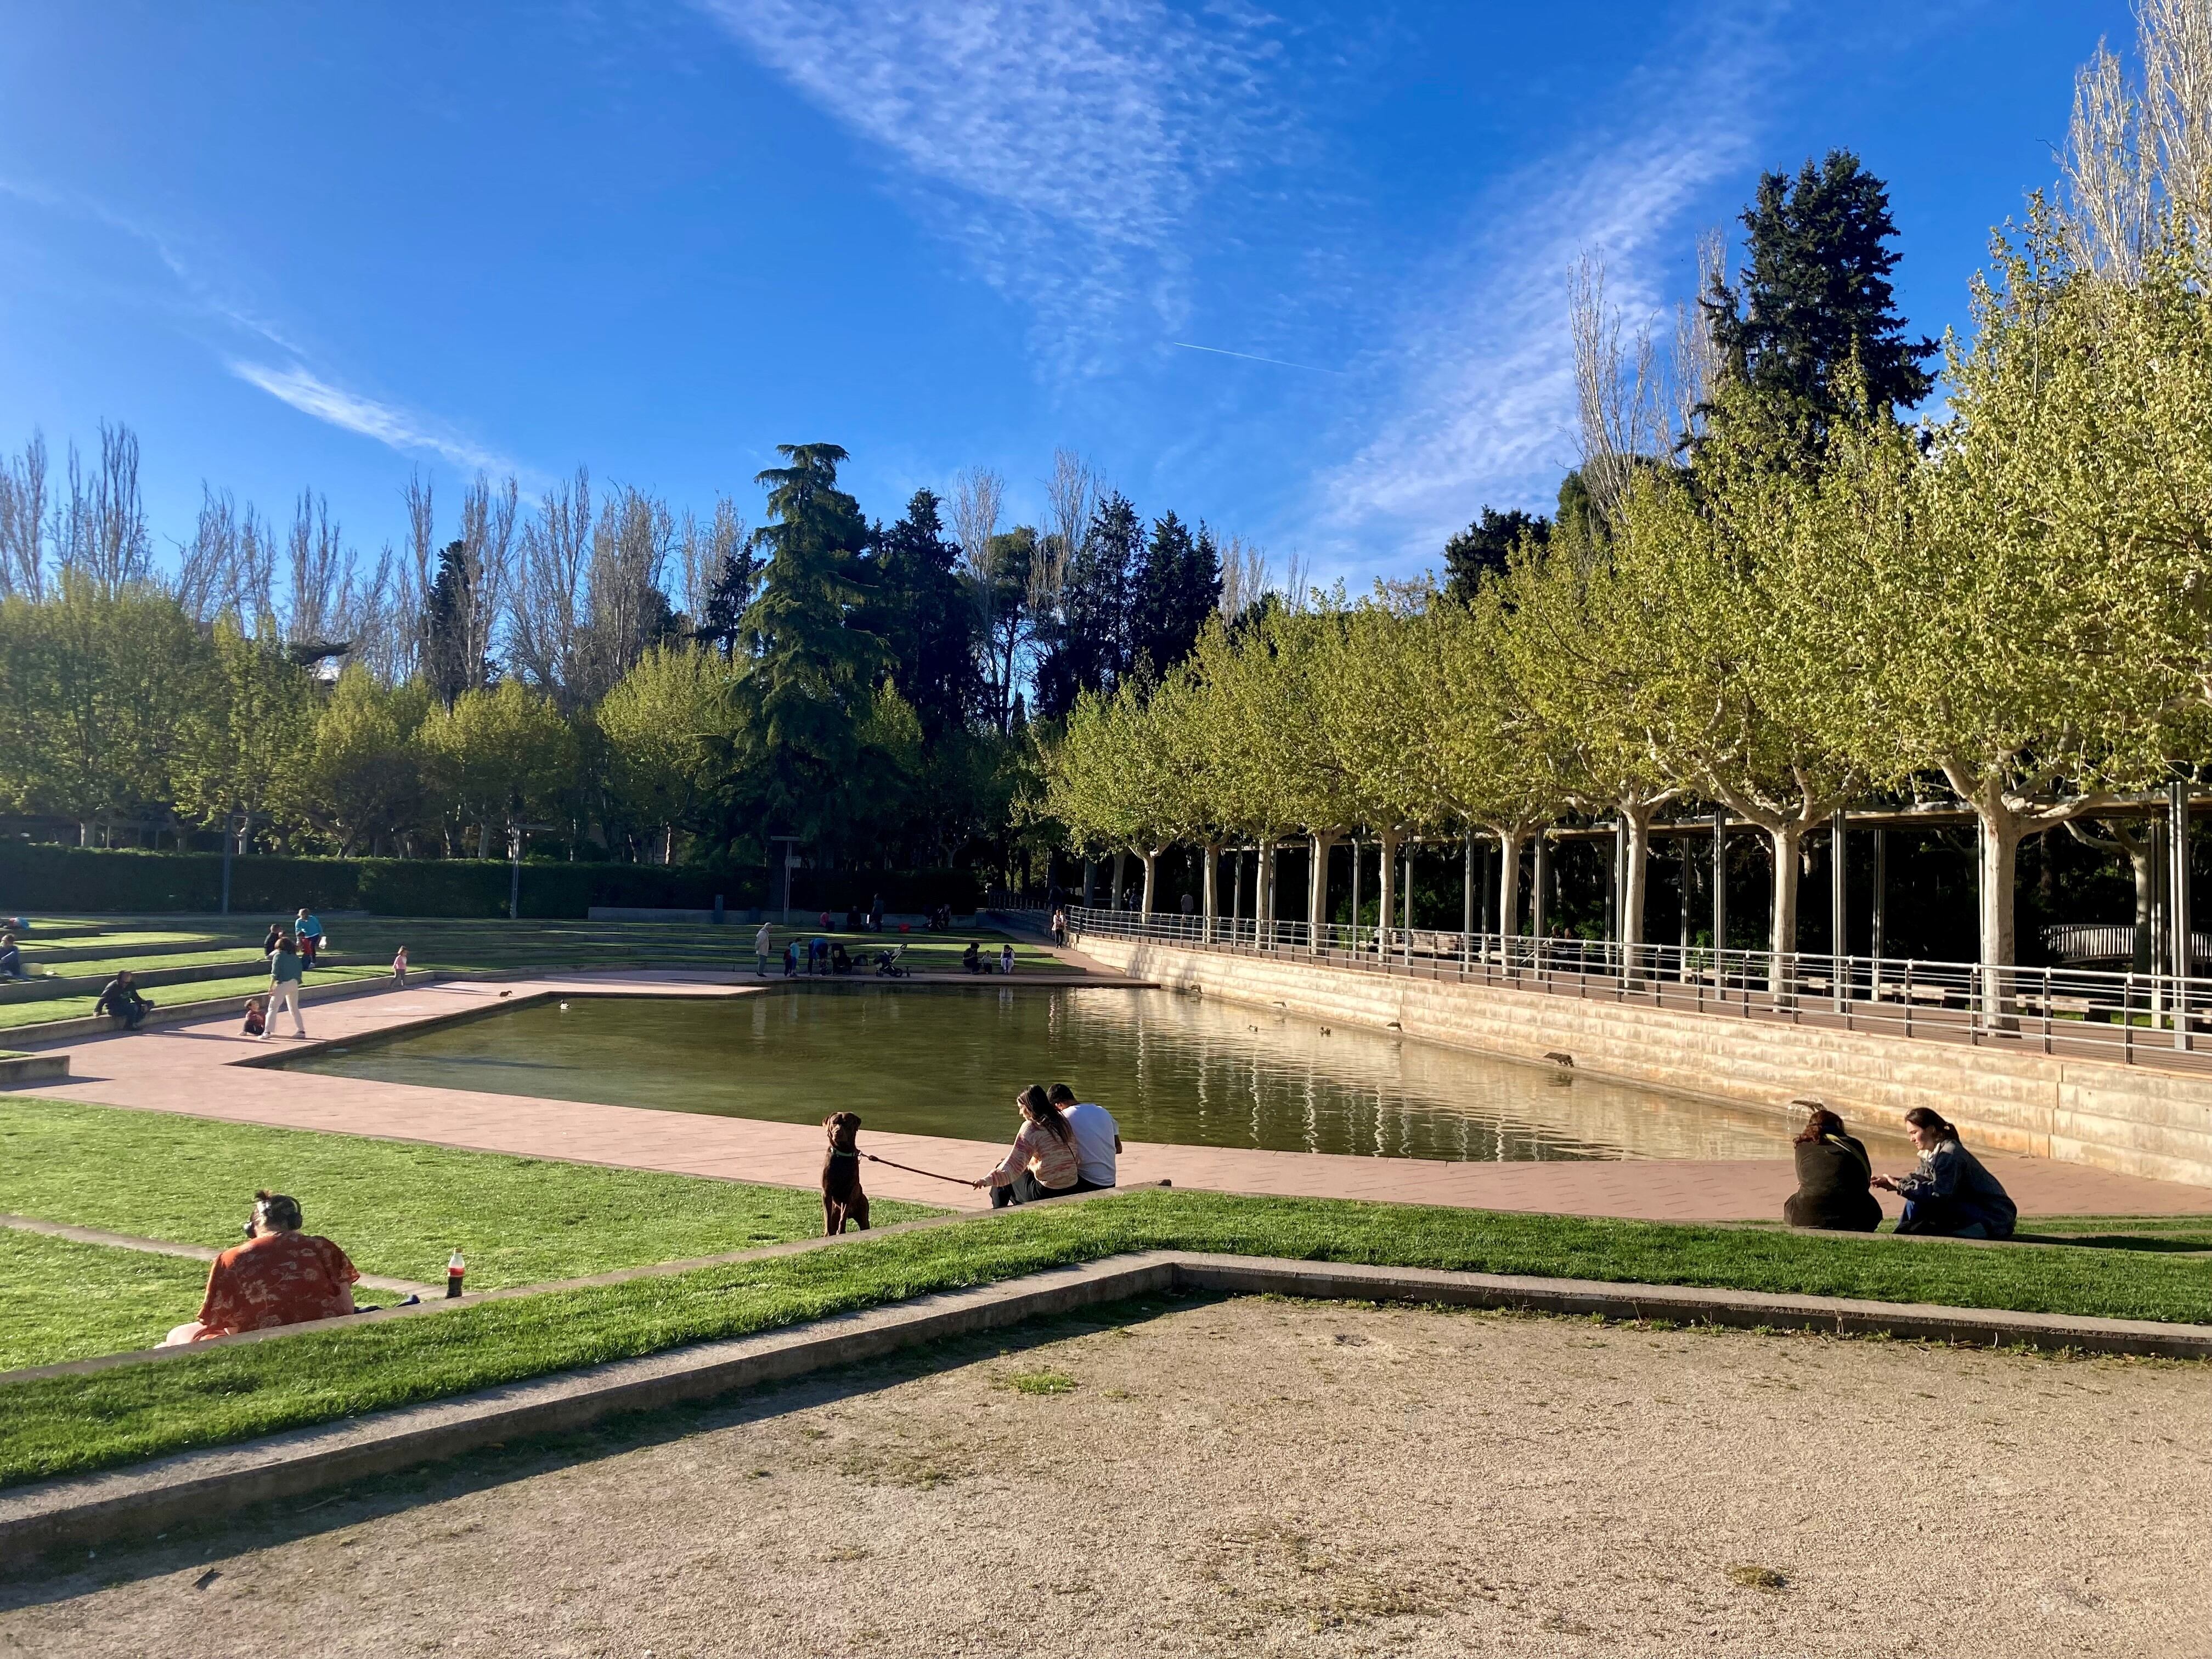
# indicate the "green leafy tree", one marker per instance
pixel 665 722
pixel 365 779
pixel 502 757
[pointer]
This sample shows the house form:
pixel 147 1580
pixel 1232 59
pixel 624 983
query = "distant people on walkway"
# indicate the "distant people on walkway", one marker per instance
pixel 763 942
pixel 1042 1162
pixel 1833 1179
pixel 1007 958
pixel 309 931
pixel 876 914
pixel 841 960
pixel 1097 1139
pixel 971 959
pixel 17 924
pixel 1059 926
pixel 11 958
pixel 399 967
pixel 1950 1195
pixel 818 955
pixel 271 940
pixel 1189 905
pixel 940 920
pixel 257 1016
pixel 790 958
pixel 279 1276
pixel 119 998
pixel 285 971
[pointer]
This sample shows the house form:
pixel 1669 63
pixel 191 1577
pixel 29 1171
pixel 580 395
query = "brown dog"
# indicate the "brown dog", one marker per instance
pixel 842 1200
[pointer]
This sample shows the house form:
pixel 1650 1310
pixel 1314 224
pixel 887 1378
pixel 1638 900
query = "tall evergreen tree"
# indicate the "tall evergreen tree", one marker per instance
pixel 926 618
pixel 1088 650
pixel 812 669
pixel 721 619
pixel 1178 583
pixel 1483 548
pixel 444 627
pixel 1816 295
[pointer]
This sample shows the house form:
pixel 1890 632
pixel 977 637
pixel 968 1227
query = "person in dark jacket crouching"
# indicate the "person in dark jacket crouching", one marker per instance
pixel 1950 1195
pixel 1834 1179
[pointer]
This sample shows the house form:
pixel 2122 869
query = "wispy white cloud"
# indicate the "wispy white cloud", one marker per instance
pixel 396 427
pixel 1065 144
pixel 1478 392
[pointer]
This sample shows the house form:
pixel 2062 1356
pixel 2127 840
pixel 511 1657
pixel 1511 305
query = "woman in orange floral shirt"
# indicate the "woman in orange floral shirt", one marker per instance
pixel 279 1276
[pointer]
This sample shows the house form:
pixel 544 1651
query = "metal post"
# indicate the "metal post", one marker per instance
pixel 1353 932
pixel 1405 908
pixel 1489 900
pixel 2177 909
pixel 1685 852
pixel 1839 917
pixel 230 840
pixel 1089 881
pixel 513 874
pixel 1466 883
pixel 1537 894
pixel 1877 938
pixel 1236 897
pixel 1620 887
pixel 1720 893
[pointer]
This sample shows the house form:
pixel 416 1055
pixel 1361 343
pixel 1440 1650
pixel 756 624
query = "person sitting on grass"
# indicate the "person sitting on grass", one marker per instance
pixel 120 999
pixel 1042 1161
pixel 1833 1173
pixel 11 958
pixel 1950 1195
pixel 971 958
pixel 257 1016
pixel 279 1276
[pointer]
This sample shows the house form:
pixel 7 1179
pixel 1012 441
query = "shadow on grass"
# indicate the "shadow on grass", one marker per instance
pixel 65 1573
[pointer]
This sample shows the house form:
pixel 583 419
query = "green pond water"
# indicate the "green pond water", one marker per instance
pixel 949 1061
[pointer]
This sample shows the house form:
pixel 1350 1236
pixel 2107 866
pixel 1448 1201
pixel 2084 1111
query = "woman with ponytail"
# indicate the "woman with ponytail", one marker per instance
pixel 1042 1162
pixel 1950 1195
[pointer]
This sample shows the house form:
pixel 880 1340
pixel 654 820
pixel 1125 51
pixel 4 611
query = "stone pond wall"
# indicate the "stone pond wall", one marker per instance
pixel 2132 1119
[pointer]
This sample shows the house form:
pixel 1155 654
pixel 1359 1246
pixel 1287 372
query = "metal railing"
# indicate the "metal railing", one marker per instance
pixel 2147 1017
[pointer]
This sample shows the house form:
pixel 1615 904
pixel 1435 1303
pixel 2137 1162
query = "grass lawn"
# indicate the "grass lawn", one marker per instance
pixel 16 1014
pixel 49 1428
pixel 396 1208
pixel 69 1301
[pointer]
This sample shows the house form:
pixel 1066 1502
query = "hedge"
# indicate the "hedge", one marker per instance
pixel 36 875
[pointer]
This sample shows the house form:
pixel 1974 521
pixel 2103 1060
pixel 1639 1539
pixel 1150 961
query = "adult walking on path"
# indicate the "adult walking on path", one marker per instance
pixel 1041 1163
pixel 284 970
pixel 1834 1178
pixel 1950 1195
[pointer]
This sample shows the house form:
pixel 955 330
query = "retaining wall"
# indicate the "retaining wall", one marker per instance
pixel 2130 1119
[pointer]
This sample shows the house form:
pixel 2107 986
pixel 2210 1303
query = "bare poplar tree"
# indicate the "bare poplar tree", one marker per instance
pixel 626 608
pixel 1616 401
pixel 978 495
pixel 103 535
pixel 385 631
pixel 23 521
pixel 1697 366
pixel 324 604
pixel 1245 577
pixel 207 565
pixel 1071 496
pixel 254 575
pixel 2106 175
pixel 487 547
pixel 544 629
pixel 421 532
pixel 2176 41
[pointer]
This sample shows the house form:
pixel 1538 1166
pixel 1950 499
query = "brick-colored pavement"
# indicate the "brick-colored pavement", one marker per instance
pixel 191 1069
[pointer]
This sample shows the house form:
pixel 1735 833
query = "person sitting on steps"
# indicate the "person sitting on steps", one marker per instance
pixel 971 959
pixel 120 998
pixel 279 1276
pixel 1042 1162
pixel 11 958
pixel 1950 1195
pixel 1833 1177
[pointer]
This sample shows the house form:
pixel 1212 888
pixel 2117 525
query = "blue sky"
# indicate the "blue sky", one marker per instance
pixel 318 246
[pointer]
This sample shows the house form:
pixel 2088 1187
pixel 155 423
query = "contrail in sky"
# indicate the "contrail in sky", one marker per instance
pixel 1311 368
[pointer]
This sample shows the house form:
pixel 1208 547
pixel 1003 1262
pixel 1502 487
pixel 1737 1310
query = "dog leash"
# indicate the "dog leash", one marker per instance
pixel 910 1170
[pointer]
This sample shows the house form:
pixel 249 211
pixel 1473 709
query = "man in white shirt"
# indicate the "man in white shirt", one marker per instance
pixel 1097 1139
pixel 762 943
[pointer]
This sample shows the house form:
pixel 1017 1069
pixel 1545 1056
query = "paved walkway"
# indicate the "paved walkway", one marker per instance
pixel 191 1069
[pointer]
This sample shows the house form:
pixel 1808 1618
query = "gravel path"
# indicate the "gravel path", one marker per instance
pixel 1261 1476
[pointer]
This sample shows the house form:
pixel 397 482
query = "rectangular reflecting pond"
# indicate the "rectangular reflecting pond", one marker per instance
pixel 949 1061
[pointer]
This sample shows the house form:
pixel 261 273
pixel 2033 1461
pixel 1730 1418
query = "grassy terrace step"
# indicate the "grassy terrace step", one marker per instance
pixel 15 1015
pixel 70 1301
pixel 54 1427
pixel 396 1207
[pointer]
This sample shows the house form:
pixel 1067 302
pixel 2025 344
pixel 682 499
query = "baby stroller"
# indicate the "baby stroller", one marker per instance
pixel 887 965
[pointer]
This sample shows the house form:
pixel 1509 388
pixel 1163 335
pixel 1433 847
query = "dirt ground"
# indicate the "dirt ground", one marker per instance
pixel 1257 1476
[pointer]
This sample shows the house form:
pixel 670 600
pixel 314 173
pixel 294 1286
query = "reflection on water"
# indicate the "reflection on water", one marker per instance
pixel 949 1061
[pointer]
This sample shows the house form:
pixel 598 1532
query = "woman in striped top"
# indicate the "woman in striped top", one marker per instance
pixel 1041 1161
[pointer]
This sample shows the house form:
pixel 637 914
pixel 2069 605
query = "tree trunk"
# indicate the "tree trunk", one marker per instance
pixel 1782 939
pixel 484 839
pixel 1263 889
pixel 1317 889
pixel 1509 883
pixel 1634 877
pixel 2000 943
pixel 1121 864
pixel 1210 886
pixel 1152 858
